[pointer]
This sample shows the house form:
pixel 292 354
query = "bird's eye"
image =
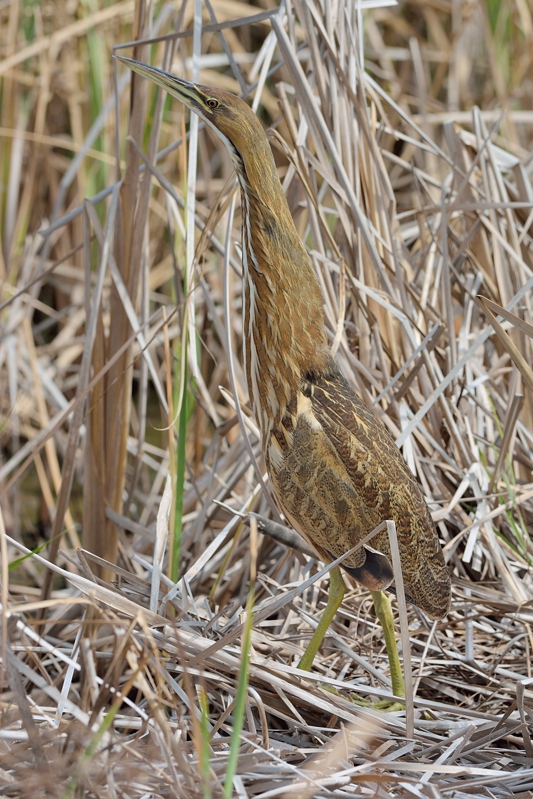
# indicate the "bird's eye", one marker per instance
pixel 212 103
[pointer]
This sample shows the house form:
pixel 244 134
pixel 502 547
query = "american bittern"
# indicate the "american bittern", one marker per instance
pixel 335 469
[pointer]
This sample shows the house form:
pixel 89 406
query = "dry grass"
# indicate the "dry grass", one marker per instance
pixel 120 319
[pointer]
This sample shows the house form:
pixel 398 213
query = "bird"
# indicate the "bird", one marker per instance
pixel 334 468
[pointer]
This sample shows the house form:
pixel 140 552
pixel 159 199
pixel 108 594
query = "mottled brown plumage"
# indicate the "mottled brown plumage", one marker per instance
pixel 334 467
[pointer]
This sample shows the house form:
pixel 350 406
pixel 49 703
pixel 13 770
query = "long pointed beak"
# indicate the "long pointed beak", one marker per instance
pixel 177 87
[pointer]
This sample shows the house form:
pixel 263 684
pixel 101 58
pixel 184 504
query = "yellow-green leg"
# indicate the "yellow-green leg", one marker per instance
pixel 335 595
pixel 384 614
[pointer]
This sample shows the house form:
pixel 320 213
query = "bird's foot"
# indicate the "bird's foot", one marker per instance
pixel 385 705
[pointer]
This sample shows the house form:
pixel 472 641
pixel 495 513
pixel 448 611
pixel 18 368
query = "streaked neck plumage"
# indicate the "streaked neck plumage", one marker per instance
pixel 284 335
pixel 284 332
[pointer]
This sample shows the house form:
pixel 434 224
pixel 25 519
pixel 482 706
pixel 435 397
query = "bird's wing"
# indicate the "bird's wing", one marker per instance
pixel 338 474
pixel 380 475
pixel 320 497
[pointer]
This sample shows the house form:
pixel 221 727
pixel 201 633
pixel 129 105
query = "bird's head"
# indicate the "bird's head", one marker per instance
pixel 231 119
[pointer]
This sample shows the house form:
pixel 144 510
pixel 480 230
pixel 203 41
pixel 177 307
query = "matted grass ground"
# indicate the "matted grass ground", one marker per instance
pixel 403 137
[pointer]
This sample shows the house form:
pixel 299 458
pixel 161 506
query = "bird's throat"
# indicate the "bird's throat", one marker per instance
pixel 283 309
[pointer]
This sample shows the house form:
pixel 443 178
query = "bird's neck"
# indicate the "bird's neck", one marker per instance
pixel 284 333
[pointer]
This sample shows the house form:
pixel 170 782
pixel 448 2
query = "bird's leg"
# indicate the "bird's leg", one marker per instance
pixel 335 596
pixel 384 613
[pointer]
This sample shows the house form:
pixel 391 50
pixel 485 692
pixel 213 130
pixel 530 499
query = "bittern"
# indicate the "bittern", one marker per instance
pixel 334 467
